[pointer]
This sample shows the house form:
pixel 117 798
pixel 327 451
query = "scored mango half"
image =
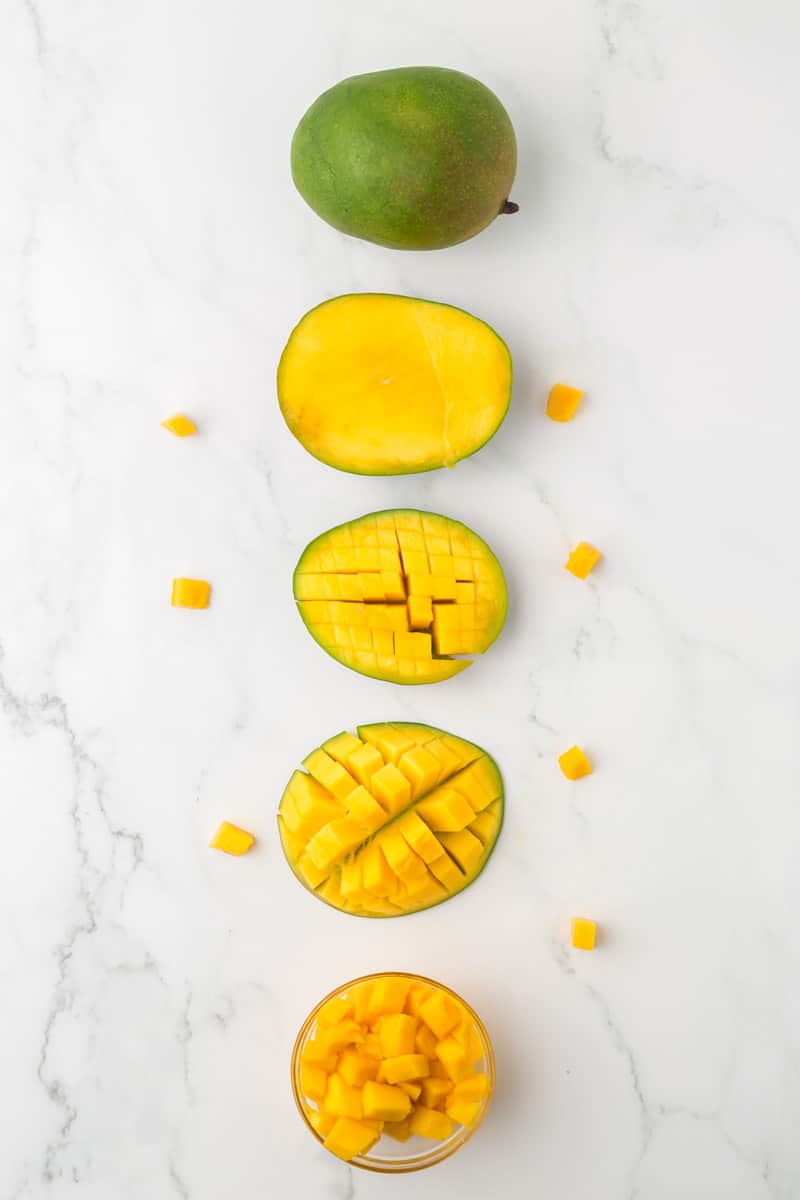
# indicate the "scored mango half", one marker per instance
pixel 388 385
pixel 394 820
pixel 401 595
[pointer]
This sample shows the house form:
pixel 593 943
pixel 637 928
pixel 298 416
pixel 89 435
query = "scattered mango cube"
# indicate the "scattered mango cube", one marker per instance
pixel 231 839
pixel 397 1034
pixel 583 559
pixel 179 425
pixel 190 593
pixel 404 1067
pixel 584 933
pixel 463 1111
pixel 574 763
pixel 563 401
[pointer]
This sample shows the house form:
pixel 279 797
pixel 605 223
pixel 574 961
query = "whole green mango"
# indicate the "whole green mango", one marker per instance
pixel 415 158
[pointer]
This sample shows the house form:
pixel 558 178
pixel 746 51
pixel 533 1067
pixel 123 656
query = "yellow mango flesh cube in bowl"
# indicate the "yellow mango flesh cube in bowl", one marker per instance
pixel 583 559
pixel 393 820
pixel 366 1091
pixel 190 593
pixel 231 839
pixel 574 763
pixel 563 401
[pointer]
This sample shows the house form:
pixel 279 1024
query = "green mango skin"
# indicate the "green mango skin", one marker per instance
pixel 416 158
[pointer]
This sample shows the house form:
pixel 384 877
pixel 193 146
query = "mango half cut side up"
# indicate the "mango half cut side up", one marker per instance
pixel 394 820
pixel 391 385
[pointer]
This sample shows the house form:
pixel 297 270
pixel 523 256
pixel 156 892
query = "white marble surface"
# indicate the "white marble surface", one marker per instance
pixel 154 257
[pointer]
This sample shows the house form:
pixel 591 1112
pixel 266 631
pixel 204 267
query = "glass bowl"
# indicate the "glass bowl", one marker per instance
pixel 388 1156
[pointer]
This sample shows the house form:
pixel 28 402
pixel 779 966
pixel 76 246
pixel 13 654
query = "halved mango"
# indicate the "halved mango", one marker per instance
pixel 417 832
pixel 442 567
pixel 389 385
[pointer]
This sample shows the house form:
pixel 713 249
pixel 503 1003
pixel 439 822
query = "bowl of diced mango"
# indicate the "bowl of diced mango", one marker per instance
pixel 393 1072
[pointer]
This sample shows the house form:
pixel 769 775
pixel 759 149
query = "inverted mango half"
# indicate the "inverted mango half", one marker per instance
pixel 389 385
pixel 401 595
pixel 397 819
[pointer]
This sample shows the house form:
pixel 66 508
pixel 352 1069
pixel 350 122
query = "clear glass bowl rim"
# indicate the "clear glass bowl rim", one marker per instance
pixel 439 1150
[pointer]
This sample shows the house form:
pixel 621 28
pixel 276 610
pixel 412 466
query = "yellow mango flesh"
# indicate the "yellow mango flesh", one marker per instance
pixel 365 1090
pixel 386 385
pixel 365 589
pixel 398 836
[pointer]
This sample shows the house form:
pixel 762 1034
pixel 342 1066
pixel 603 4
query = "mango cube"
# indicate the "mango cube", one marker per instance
pixel 399 1130
pixel 440 1014
pixel 190 593
pixel 364 808
pixel 434 1091
pixel 355 1068
pixel 231 839
pixel 428 1123
pixel 419 992
pixel 179 425
pixel 391 788
pixel 385 1103
pixel 584 933
pixel 350 1138
pixel 313 1081
pixel 563 401
pixel 333 841
pixel 414 1090
pixel 388 995
pixel 425 1042
pixel 364 762
pixel 404 1067
pixel 462 1111
pixel 454 1058
pixel 583 559
pixel 336 1010
pixel 446 811
pixel 474 1087
pixel 420 612
pixel 342 1099
pixel 397 1034
pixel 574 763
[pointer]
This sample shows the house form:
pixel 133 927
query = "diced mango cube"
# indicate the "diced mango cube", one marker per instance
pixel 190 593
pixel 388 995
pixel 563 401
pixel 330 773
pixel 349 1139
pixel 334 841
pixel 440 1014
pixel 419 836
pixel 574 763
pixel 474 1087
pixel 341 1099
pixel 446 871
pixel 413 645
pixel 454 1058
pixel 356 1068
pixel 231 839
pixel 583 559
pixel 180 425
pixel 310 872
pixel 392 585
pixel 420 612
pixel 321 1121
pixel 364 762
pixel 399 1130
pixel 401 858
pixel 340 746
pixel 462 1111
pixel 364 808
pixel 421 769
pixel 337 1009
pixel 404 1067
pixel 397 1034
pixel 313 1081
pixel 425 1042
pixel 390 786
pixel 464 847
pixel 428 1123
pixel 446 811
pixel 385 1103
pixel 435 1091
pixel 584 933
pixel 414 1090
